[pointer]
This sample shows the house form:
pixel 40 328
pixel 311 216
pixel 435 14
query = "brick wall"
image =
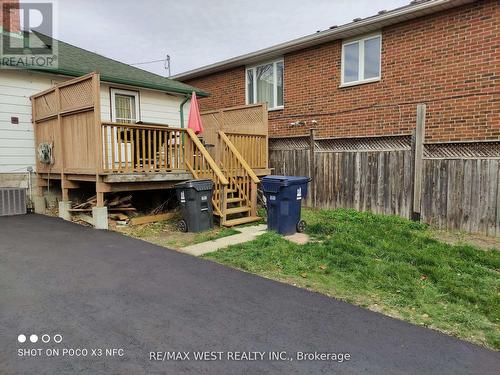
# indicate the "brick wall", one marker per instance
pixel 448 60
pixel 227 89
pixel 10 21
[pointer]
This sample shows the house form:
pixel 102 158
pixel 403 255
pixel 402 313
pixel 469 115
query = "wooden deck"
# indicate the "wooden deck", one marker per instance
pixel 127 157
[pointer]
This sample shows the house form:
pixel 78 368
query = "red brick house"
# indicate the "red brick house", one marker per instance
pixel 365 78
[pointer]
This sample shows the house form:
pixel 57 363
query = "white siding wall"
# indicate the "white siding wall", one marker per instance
pixel 156 107
pixel 17 148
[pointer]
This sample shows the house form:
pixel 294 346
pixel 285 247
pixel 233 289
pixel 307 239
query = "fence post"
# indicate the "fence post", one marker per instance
pixel 418 161
pixel 312 166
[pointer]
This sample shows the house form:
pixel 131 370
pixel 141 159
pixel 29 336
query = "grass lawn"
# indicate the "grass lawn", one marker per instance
pixel 386 264
pixel 165 233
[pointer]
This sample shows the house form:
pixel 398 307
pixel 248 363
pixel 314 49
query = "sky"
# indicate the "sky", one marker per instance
pixel 198 32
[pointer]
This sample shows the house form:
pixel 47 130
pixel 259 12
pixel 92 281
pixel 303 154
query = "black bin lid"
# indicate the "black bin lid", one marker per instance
pixel 198 185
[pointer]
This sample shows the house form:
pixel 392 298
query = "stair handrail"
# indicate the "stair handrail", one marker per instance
pixel 238 156
pixel 220 181
pixel 208 158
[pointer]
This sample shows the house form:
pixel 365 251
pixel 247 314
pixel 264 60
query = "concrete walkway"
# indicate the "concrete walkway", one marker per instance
pixel 247 234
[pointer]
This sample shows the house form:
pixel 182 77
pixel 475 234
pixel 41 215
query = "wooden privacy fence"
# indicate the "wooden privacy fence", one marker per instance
pixel 64 117
pixel 246 126
pixel 377 180
pixel 448 185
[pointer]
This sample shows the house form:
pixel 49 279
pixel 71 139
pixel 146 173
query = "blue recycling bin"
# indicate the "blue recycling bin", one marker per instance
pixel 284 196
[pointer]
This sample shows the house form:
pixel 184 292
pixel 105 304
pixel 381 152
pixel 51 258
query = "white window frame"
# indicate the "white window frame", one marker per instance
pixel 135 94
pixel 273 106
pixel 361 56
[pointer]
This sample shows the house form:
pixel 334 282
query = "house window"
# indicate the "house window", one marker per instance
pixel 124 106
pixel 264 83
pixel 361 60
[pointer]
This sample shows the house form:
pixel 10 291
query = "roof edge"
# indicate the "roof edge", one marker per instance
pixel 395 16
pixel 134 83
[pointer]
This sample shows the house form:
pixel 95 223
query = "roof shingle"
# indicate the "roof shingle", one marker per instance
pixel 75 61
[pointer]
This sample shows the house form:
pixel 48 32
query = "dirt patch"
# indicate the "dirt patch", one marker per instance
pixel 462 238
pixel 166 234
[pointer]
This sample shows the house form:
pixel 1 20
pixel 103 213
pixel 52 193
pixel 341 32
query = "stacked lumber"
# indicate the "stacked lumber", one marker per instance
pixel 119 208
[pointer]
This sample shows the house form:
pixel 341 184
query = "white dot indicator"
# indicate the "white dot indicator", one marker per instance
pixel 45 338
pixel 57 338
pixel 33 338
pixel 21 338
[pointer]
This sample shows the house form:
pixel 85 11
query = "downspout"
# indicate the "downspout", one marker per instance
pixel 181 109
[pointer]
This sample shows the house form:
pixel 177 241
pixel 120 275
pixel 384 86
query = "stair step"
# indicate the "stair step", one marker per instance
pixel 234 200
pixel 237 210
pixel 241 220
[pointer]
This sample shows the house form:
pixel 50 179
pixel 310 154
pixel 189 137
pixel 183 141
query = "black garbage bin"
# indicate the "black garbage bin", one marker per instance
pixel 284 196
pixel 195 199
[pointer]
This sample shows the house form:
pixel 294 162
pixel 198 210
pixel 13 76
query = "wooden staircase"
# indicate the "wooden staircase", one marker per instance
pixel 235 183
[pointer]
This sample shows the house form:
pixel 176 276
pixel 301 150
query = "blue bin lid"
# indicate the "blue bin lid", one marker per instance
pixel 285 180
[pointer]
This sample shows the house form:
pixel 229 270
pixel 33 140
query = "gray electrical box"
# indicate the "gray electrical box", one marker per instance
pixel 12 201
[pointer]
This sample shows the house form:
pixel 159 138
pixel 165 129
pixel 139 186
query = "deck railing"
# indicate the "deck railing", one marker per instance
pixel 252 147
pixel 133 148
pixel 242 179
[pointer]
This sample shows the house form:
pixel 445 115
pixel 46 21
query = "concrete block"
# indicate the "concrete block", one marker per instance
pixel 39 204
pixel 64 207
pixel 100 217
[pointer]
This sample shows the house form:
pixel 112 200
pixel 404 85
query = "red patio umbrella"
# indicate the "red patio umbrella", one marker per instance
pixel 194 120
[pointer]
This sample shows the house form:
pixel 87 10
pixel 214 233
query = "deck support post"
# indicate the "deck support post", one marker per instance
pixel 100 199
pixel 66 185
pixel 65 193
pixel 99 191
pixel 40 184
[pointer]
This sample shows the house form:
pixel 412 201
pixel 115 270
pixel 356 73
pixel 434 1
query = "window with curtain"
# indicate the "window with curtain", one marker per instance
pixel 264 83
pixel 361 60
pixel 124 106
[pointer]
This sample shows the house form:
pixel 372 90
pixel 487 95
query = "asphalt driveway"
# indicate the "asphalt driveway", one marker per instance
pixel 100 290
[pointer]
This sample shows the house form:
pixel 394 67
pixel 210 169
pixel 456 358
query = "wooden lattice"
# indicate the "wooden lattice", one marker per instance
pixel 251 119
pixel 248 120
pixel 76 95
pixel 289 143
pixel 462 150
pixel 391 143
pixel 45 105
